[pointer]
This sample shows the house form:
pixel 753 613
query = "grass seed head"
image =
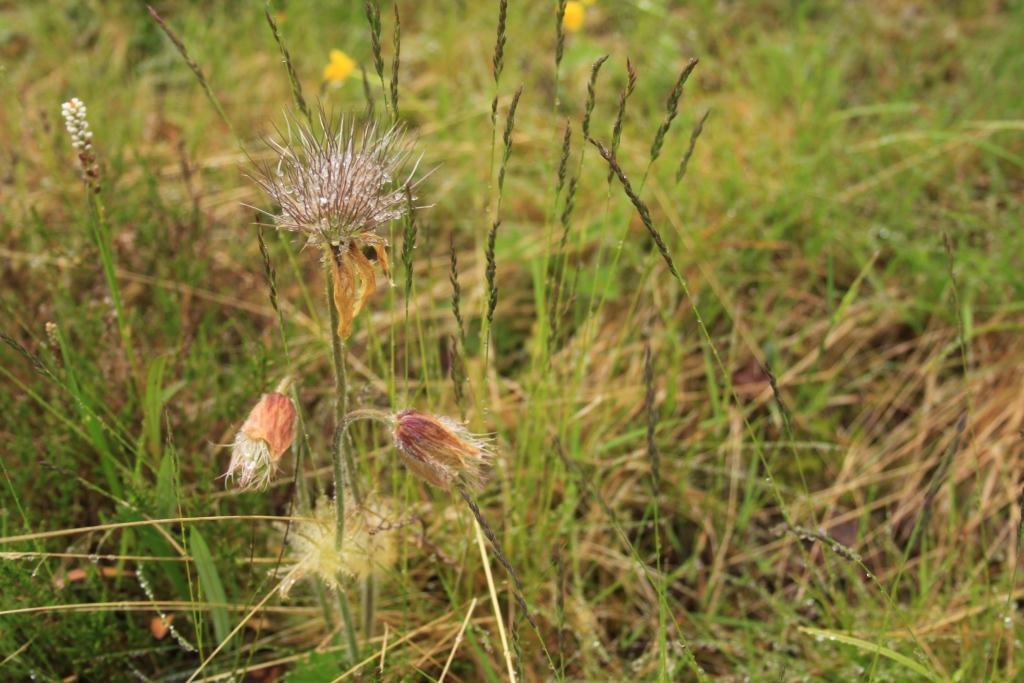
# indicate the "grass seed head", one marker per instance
pixel 264 437
pixel 440 450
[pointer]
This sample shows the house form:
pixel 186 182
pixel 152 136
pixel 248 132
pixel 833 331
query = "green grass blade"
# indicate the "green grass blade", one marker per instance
pixel 873 648
pixel 210 584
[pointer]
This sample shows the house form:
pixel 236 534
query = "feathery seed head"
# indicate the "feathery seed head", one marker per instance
pixel 440 450
pixel 368 545
pixel 335 182
pixel 338 186
pixel 264 437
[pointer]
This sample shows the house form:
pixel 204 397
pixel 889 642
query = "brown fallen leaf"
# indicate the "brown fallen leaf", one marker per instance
pixel 79 574
pixel 160 626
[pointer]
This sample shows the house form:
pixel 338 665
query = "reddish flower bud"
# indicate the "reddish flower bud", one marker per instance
pixel 439 450
pixel 266 435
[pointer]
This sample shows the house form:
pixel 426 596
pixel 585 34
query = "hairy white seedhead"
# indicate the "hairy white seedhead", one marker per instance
pixel 336 181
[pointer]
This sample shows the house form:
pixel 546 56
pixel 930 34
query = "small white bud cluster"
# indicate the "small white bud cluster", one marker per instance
pixel 74 113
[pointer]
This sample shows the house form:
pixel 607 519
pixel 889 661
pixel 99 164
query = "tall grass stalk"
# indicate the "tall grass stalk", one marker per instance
pixel 395 62
pixel 100 229
pixel 293 77
pixel 372 11
pixel 694 135
pixel 568 206
pixel 490 255
pixel 712 348
pixel 179 45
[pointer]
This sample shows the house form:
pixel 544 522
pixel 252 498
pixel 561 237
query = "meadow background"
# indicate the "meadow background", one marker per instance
pixel 824 486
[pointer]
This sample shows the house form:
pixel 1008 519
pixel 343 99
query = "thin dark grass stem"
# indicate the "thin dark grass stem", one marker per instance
pixel 587 485
pixel 645 218
pixel 183 51
pixel 503 560
pixel 293 77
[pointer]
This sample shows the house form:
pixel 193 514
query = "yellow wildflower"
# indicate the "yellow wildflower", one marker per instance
pixel 572 20
pixel 339 68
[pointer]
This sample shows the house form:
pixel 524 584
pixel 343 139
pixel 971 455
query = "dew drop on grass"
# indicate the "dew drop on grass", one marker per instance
pixel 94 558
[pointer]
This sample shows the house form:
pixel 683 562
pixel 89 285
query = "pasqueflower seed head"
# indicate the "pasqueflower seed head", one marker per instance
pixel 313 550
pixel 336 182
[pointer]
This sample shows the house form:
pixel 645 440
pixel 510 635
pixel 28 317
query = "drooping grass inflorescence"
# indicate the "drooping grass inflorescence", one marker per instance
pixel 620 116
pixel 372 11
pixel 588 108
pixel 697 130
pixel 179 45
pixel 491 268
pixel 671 108
pixel 293 77
pixel 645 214
pixel 396 42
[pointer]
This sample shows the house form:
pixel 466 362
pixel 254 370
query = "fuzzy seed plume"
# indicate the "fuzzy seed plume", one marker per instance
pixel 367 547
pixel 336 182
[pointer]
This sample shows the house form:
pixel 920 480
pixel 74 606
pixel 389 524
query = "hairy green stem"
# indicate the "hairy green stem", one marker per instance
pixel 339 457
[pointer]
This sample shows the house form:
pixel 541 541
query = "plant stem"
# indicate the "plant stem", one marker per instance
pixel 339 456
pixel 101 235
